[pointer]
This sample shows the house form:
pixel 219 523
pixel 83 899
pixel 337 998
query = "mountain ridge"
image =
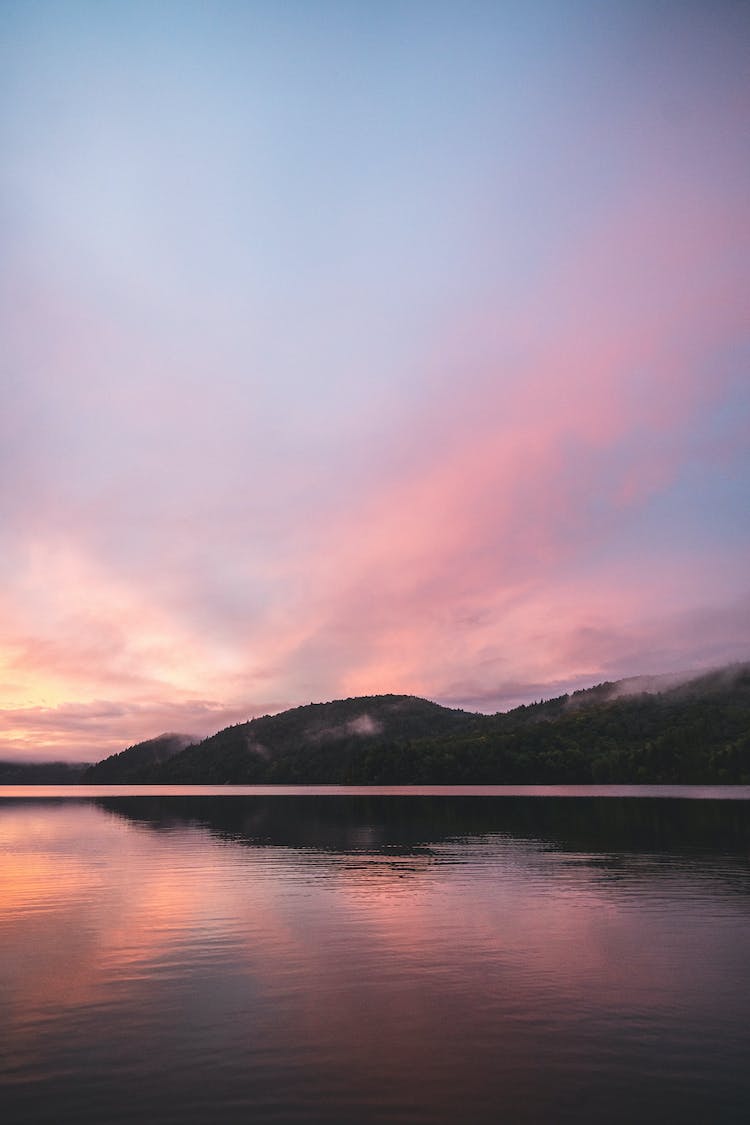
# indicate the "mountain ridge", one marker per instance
pixel 697 730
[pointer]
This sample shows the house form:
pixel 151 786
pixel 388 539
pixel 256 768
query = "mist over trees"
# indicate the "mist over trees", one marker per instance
pixel 697 732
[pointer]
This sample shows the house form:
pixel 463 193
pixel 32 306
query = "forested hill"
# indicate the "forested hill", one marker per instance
pixel 315 740
pixel 131 764
pixel 694 732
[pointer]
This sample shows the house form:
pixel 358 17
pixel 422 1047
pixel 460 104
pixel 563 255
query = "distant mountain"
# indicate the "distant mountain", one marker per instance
pixel 42 773
pixel 683 729
pixel 131 764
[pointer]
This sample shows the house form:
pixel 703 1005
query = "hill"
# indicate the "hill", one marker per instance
pixel 310 743
pixel 315 743
pixel 693 730
pixel 131 764
pixel 681 730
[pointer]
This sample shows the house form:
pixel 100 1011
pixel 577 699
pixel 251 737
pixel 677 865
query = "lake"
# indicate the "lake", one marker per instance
pixel 336 956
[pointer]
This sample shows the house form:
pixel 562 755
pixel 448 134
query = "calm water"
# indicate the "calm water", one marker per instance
pixel 374 958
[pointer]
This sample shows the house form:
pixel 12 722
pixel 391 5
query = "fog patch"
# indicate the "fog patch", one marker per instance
pixel 652 685
pixel 695 682
pixel 180 740
pixel 362 726
pixel 254 747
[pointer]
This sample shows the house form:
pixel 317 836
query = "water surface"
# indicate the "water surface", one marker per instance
pixel 353 956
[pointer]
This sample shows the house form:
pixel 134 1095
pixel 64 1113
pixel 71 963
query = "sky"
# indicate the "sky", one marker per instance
pixel 350 348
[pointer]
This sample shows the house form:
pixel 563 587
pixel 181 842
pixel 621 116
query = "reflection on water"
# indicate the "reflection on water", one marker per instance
pixel 341 959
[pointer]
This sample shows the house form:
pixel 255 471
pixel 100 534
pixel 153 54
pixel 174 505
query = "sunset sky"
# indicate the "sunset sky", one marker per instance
pixel 353 347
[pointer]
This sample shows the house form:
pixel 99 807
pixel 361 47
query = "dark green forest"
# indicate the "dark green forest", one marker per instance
pixel 132 764
pixel 696 733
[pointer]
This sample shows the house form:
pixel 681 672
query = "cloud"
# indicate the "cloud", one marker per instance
pixel 93 730
pixel 362 726
pixel 485 438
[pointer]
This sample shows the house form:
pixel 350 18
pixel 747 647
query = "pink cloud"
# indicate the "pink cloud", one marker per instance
pixel 517 475
pixel 472 545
